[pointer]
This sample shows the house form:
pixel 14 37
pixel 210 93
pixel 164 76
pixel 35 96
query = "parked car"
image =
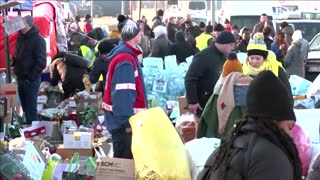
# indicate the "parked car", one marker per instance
pixel 313 61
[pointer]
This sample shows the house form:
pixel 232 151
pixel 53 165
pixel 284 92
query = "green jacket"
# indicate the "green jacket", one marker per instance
pixel 208 125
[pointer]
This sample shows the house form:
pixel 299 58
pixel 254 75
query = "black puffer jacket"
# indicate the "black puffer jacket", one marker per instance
pixel 69 69
pixel 202 75
pixel 30 57
pixel 100 67
pixel 252 157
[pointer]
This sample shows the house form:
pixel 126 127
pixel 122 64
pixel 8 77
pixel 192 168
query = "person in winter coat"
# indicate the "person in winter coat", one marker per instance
pixel 101 64
pixel 191 40
pixel 260 59
pixel 235 32
pixel 260 25
pixel 87 27
pixel 191 30
pixel 287 30
pixel 280 46
pixel 269 24
pixel 260 146
pixel 205 70
pixel 181 48
pixel 125 93
pixel 203 40
pixel 243 43
pixel 172 28
pixel 69 69
pixel 225 106
pixel 145 41
pixel 267 37
pixel 161 45
pixel 29 61
pixel 158 19
pixel 295 60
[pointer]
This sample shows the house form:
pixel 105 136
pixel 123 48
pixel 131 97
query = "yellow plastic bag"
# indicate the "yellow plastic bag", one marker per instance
pixel 157 148
pixel 47 174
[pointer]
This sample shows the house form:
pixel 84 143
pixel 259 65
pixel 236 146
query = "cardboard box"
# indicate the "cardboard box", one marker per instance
pixel 67 153
pixel 52 128
pixel 183 105
pixel 9 90
pixel 78 140
pixel 115 169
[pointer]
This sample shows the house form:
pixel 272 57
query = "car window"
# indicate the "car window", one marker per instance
pixel 315 44
pixel 197 5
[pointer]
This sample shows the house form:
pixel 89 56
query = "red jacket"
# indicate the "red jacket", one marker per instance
pixel 124 94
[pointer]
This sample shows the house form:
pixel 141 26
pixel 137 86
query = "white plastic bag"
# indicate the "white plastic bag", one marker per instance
pixel 199 150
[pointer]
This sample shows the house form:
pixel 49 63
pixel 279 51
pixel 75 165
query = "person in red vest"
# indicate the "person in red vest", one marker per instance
pixel 87 24
pixel 125 93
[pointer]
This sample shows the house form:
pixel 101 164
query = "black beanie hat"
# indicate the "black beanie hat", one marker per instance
pixel 267 97
pixel 92 35
pixel 105 46
pixel 225 37
pixel 130 30
pixel 262 53
pixel 121 18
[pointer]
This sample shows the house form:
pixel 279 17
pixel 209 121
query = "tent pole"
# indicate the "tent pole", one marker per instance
pixel 6 48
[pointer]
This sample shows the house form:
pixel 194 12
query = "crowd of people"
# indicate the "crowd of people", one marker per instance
pixel 114 60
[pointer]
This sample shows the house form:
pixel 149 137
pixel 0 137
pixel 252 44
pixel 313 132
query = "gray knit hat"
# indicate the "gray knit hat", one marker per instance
pixel 130 30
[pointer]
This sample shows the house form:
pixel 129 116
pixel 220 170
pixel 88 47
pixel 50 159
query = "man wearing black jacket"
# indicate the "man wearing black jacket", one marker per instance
pixel 29 61
pixel 101 64
pixel 205 70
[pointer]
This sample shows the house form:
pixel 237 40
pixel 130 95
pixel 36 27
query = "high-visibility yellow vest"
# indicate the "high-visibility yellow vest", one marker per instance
pixel 90 55
pixel 202 41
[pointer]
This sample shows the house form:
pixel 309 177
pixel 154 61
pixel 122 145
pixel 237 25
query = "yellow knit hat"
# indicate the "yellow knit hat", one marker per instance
pixel 257 46
pixel 257 42
pixel 231 65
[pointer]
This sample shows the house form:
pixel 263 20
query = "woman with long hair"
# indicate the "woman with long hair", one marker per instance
pixel 260 146
pixel 280 46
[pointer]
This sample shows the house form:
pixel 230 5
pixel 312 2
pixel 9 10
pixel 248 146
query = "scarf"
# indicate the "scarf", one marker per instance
pixel 270 63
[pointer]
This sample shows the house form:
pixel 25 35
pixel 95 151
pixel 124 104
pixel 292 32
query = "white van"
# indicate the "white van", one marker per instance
pixel 197 8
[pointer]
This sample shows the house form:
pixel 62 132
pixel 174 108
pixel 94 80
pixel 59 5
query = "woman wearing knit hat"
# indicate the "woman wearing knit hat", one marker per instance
pixel 260 59
pixel 226 103
pixel 260 146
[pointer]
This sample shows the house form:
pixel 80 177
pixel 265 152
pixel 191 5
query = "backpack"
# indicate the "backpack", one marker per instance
pixel 219 174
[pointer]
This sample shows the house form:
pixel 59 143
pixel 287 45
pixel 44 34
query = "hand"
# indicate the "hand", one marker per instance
pixel 282 46
pixel 72 43
pixel 194 107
